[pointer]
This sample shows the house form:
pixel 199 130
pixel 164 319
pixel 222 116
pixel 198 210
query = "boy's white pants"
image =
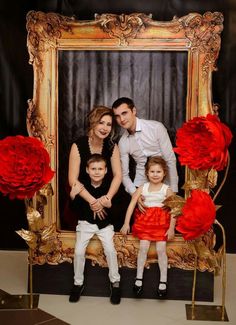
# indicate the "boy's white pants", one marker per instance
pixel 84 232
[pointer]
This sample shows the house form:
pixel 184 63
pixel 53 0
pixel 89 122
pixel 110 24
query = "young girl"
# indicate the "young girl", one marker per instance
pixel 153 225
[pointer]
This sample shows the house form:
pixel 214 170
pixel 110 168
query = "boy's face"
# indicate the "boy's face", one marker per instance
pixel 97 171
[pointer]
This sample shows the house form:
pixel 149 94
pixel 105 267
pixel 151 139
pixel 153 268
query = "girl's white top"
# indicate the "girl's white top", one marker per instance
pixel 154 199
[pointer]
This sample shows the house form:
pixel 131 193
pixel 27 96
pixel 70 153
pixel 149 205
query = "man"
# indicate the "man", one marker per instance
pixel 142 139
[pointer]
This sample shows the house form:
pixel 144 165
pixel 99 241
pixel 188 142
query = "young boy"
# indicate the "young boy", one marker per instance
pixel 89 225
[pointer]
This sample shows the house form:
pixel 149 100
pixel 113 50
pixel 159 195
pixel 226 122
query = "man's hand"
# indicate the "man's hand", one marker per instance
pixel 141 205
pixel 170 233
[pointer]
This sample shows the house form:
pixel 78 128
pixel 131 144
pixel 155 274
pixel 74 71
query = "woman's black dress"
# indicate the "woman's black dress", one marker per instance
pixel 121 200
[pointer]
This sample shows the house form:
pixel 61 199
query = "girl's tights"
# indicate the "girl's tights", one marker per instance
pixel 162 260
pixel 142 257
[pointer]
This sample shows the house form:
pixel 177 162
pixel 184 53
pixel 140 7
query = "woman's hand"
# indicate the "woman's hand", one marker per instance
pixel 141 205
pixel 97 209
pixel 95 205
pixel 105 201
pixel 76 188
pixel 101 214
pixel 125 229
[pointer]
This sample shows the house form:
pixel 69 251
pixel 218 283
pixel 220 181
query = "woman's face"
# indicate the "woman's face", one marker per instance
pixel 103 128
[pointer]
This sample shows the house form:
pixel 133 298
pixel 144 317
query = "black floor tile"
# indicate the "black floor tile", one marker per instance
pixel 28 317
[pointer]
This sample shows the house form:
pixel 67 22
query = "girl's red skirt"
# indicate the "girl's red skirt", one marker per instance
pixel 151 225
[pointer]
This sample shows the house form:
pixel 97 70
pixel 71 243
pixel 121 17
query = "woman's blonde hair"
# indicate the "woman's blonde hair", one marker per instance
pixel 156 160
pixel 95 116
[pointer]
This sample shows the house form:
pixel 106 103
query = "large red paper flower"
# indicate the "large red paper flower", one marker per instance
pixel 202 143
pixel 198 214
pixel 24 166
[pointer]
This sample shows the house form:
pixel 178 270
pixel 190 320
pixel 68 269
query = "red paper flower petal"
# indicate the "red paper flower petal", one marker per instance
pixel 202 143
pixel 198 214
pixel 24 166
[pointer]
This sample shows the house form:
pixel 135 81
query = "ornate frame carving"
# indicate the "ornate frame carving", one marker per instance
pixel 197 34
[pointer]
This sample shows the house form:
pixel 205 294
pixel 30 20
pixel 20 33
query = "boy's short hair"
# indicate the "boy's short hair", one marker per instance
pixel 96 157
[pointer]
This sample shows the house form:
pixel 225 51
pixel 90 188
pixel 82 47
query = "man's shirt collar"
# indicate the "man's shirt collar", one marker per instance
pixel 138 127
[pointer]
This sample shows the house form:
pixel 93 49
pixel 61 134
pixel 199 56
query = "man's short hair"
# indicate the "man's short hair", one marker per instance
pixel 123 100
pixel 96 157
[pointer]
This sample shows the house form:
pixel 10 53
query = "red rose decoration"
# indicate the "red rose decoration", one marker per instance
pixel 198 214
pixel 202 143
pixel 24 166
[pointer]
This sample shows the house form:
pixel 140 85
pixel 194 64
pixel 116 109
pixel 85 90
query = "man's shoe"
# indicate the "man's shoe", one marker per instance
pixel 115 293
pixel 76 293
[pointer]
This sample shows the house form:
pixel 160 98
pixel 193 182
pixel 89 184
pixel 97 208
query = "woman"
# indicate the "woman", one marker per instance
pixel 99 140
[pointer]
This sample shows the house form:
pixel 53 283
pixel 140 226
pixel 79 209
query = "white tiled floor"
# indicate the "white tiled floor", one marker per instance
pixel 99 311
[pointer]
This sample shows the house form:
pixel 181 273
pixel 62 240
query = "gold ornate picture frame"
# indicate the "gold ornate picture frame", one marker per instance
pixel 48 33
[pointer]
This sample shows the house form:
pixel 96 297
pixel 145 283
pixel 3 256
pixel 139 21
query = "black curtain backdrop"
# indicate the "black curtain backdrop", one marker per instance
pixel 16 84
pixel 157 82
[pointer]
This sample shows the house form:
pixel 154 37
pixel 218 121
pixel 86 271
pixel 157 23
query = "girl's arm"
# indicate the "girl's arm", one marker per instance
pixel 171 231
pixel 126 226
pixel 117 177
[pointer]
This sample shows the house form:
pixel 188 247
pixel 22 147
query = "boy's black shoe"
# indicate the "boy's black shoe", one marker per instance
pixel 76 293
pixel 115 293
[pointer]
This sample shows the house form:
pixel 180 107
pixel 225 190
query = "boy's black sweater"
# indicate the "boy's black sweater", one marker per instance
pixel 82 208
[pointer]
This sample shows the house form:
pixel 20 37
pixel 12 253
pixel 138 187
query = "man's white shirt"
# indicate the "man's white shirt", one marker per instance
pixel 150 139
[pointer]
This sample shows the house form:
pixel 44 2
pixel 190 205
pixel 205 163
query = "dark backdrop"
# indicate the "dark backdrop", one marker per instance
pixel 155 80
pixel 16 83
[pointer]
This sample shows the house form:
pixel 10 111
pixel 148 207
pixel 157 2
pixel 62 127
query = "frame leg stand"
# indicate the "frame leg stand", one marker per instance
pixel 208 312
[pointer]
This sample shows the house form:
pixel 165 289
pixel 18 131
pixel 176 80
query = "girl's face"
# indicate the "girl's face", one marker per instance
pixel 156 174
pixel 103 128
